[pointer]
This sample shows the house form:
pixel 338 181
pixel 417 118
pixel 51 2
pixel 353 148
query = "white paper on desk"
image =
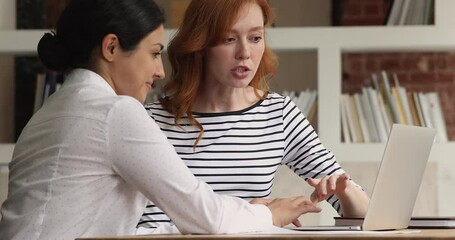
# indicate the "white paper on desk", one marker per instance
pixel 284 231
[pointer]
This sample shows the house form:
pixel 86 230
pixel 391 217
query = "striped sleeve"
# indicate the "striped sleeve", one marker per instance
pixel 304 152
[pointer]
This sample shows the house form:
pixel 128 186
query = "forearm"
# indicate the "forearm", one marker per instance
pixel 354 201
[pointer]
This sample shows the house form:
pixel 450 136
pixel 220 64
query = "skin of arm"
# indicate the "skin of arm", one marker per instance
pixel 353 200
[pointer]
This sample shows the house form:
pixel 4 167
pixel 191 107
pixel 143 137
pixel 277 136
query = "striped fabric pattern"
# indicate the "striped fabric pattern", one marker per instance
pixel 240 151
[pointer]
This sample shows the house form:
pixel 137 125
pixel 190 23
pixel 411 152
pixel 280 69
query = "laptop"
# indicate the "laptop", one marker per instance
pixel 397 183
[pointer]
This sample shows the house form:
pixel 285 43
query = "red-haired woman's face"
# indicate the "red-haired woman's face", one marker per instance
pixel 233 62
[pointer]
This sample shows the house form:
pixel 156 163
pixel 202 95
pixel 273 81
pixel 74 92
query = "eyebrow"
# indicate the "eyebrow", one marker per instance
pixel 250 30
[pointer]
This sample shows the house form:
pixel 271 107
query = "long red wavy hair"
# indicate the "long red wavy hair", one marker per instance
pixel 205 24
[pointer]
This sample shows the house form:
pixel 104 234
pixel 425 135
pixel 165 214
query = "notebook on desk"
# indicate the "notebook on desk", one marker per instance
pixel 397 182
pixel 434 222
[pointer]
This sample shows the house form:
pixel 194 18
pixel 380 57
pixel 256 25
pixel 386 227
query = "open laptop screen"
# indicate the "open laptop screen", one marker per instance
pixel 397 182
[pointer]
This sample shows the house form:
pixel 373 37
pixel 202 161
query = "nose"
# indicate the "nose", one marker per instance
pixel 243 51
pixel 159 71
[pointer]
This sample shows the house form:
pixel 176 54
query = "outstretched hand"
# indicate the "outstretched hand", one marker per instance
pixel 327 186
pixel 287 210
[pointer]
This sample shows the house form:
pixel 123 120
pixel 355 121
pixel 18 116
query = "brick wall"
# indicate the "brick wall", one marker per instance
pixel 363 12
pixel 416 71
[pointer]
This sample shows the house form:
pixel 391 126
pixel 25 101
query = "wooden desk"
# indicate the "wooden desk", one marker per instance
pixel 423 234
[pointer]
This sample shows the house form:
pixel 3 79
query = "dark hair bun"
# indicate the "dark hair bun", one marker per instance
pixel 53 53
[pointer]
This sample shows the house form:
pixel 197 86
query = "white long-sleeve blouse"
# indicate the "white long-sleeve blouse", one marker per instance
pixel 87 162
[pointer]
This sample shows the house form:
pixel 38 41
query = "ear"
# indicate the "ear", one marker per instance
pixel 109 47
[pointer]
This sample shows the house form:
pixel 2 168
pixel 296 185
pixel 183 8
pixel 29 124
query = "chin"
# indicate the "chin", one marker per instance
pixel 141 99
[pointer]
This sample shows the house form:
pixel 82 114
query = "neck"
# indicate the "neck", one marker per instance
pixel 225 100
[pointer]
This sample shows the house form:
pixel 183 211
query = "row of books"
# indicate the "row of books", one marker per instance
pixel 306 101
pixel 368 116
pixel 410 12
pixel 46 84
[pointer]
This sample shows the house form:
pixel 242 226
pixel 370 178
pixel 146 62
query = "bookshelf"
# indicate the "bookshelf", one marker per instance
pixel 329 43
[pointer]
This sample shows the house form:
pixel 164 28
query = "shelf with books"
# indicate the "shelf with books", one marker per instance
pixel 319 39
pixel 372 102
pixel 329 43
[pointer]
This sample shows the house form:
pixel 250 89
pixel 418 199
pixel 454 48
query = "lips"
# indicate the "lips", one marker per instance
pixel 240 69
pixel 149 85
pixel 240 72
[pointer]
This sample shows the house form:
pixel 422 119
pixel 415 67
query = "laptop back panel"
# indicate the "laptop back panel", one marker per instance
pixel 399 177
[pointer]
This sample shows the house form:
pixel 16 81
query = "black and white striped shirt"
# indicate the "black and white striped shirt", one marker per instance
pixel 240 151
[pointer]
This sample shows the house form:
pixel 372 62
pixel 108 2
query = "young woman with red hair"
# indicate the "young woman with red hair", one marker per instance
pixel 230 130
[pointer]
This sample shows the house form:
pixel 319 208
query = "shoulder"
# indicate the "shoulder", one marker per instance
pixel 127 101
pixel 127 107
pixel 128 117
pixel 274 98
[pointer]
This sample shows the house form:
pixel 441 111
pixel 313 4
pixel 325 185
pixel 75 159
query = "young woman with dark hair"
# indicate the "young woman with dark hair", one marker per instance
pixel 89 159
